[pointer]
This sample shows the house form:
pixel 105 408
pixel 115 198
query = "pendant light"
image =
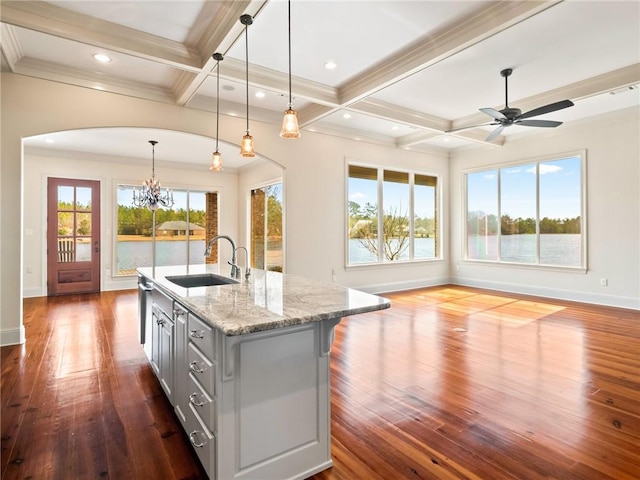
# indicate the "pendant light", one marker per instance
pixel 149 194
pixel 246 147
pixel 216 158
pixel 290 127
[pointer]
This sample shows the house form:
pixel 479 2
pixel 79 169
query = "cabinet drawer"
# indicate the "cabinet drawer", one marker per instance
pixel 163 302
pixel 202 369
pixel 202 335
pixel 202 441
pixel 202 403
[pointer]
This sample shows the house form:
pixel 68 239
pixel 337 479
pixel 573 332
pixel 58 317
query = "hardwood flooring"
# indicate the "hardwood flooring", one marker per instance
pixel 449 383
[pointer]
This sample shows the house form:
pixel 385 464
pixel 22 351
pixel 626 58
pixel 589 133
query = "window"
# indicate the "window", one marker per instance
pixel 407 221
pixel 529 213
pixel 180 232
pixel 266 228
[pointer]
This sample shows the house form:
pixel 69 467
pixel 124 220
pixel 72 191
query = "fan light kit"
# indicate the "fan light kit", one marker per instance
pixel 513 116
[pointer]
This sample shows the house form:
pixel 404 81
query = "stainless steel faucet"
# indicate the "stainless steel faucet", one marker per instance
pixel 235 271
pixel 247 271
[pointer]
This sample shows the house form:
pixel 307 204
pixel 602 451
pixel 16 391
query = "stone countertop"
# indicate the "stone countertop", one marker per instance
pixel 269 300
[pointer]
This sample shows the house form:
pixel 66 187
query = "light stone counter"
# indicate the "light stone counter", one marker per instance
pixel 269 300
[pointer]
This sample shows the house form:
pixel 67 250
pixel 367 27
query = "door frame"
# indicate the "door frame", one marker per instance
pixel 93 266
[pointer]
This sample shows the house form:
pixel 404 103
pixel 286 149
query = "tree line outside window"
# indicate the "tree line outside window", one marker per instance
pixel 529 213
pixel 405 228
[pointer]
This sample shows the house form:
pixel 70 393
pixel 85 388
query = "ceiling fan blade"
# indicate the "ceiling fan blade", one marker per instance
pixel 459 129
pixel 492 112
pixel 552 107
pixel 538 123
pixel 495 133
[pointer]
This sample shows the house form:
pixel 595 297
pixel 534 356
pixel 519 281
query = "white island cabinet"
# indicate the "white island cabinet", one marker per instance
pixel 250 369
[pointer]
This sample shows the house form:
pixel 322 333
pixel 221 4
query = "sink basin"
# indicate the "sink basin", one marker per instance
pixel 200 280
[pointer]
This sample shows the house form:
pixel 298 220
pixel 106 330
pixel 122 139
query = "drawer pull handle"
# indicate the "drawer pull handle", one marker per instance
pixel 194 441
pixel 177 312
pixel 193 366
pixel 193 398
pixel 196 333
pixel 159 321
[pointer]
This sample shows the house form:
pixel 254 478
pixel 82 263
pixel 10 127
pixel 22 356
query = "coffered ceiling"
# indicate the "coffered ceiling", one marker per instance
pixel 405 71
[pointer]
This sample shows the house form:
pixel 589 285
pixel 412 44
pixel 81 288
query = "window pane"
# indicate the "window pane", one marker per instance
pixel 65 198
pixel 395 221
pixel 65 224
pixel 83 198
pixel 424 222
pixel 134 247
pixel 83 224
pixel 363 215
pixel 274 227
pixel 83 249
pixel 482 215
pixel 197 227
pixel 560 210
pixel 518 214
pixel 171 232
pixel 258 228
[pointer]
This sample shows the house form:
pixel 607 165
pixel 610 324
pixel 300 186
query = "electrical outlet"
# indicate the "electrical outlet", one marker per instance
pixel 604 282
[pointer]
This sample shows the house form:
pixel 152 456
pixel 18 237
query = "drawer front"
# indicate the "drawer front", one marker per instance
pixel 163 302
pixel 202 403
pixel 202 335
pixel 202 441
pixel 202 369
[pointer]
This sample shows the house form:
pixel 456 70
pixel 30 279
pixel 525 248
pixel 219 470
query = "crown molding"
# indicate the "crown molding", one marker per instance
pixel 10 45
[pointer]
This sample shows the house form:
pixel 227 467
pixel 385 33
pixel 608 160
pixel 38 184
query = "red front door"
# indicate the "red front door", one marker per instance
pixel 73 236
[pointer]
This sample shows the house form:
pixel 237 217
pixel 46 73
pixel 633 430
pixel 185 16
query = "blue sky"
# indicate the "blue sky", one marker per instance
pixel 559 189
pixel 396 196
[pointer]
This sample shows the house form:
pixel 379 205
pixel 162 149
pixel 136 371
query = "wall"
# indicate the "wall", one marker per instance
pixel 314 182
pixel 612 144
pixel 39 166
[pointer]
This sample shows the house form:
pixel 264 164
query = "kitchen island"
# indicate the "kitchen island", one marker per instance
pixel 246 365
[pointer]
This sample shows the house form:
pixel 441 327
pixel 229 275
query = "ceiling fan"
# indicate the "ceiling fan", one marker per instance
pixel 514 116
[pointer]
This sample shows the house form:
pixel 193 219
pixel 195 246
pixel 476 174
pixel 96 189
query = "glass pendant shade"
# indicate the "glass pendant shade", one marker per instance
pixel 246 147
pixel 290 127
pixel 216 162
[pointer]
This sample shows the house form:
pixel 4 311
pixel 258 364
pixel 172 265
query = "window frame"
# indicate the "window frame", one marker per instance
pixel 498 167
pixel 438 202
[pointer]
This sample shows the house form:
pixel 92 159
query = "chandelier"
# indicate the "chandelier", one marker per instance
pixel 149 194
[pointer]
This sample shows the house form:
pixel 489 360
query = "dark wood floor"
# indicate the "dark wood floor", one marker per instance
pixel 450 383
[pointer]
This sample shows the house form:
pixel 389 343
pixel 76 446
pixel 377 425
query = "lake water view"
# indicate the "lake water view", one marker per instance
pixel 555 249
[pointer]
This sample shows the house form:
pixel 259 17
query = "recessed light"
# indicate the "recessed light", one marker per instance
pixel 347 116
pixel 260 94
pixel 445 139
pixel 395 127
pixel 330 65
pixel 101 57
pixel 98 87
pixel 49 140
pixel 228 88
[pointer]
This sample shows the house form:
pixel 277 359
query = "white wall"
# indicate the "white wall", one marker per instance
pixel 612 144
pixel 109 171
pixel 314 182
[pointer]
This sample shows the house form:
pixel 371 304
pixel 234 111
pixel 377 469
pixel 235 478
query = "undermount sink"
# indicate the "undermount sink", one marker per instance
pixel 200 280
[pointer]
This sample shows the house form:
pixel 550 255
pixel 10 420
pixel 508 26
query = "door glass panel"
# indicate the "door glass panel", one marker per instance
pixel 83 198
pixel 83 224
pixel 65 198
pixel 65 223
pixel 83 249
pixel 65 250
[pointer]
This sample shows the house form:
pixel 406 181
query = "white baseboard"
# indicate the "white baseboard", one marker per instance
pixel 401 286
pixel 14 336
pixel 33 292
pixel 560 294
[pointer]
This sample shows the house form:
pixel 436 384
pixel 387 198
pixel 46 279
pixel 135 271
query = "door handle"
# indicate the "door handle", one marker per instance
pixel 96 249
